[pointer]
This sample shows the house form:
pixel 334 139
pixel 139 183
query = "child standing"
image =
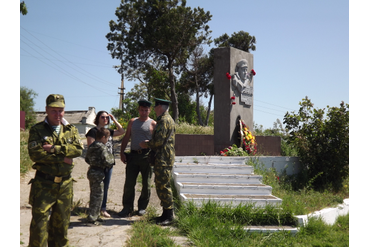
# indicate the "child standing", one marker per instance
pixel 99 159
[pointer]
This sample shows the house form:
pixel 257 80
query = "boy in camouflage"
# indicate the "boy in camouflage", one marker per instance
pixel 99 158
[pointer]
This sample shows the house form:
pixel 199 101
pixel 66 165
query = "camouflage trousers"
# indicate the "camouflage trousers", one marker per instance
pixel 162 182
pixel 96 177
pixel 45 195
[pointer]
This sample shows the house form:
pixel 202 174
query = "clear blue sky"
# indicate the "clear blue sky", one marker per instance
pixel 302 50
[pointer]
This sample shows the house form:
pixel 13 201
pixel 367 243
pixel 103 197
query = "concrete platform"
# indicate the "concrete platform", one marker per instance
pixel 272 229
pixel 217 177
pixel 234 200
pixel 328 215
pixel 224 188
pixel 226 180
pixel 213 168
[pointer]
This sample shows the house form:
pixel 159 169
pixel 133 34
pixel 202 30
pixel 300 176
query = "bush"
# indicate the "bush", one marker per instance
pixel 322 143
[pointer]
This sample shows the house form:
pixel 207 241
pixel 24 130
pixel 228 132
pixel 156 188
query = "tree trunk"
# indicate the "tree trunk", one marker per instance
pixel 200 120
pixel 209 109
pixel 175 109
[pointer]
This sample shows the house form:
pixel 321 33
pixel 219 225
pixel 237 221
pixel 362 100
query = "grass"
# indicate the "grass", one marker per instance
pixel 185 128
pixel 25 161
pixel 301 201
pixel 213 225
pixel 146 233
pixel 213 230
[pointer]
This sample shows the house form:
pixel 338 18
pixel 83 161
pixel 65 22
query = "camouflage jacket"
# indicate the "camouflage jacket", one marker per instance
pixel 98 155
pixel 67 144
pixel 165 154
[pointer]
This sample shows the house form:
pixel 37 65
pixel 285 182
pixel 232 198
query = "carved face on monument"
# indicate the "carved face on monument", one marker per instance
pixel 242 68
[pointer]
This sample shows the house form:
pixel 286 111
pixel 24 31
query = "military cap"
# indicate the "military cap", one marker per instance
pixel 143 102
pixel 55 100
pixel 161 102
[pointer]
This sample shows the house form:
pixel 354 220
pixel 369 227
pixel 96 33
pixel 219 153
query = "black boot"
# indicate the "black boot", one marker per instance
pixel 167 217
pixel 160 218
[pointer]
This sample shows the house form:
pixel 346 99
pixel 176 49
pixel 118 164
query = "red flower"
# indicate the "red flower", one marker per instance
pixel 228 75
pixel 253 72
pixel 233 103
pixel 232 97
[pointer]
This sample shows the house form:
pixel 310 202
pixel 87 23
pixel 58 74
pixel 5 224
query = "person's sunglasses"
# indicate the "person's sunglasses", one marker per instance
pixel 104 117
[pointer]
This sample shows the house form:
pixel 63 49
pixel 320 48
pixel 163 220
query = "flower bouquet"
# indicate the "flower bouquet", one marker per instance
pixel 247 140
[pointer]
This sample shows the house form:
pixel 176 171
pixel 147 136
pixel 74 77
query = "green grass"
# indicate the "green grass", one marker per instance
pixel 213 225
pixel 146 233
pixel 185 128
pixel 25 161
pixel 300 201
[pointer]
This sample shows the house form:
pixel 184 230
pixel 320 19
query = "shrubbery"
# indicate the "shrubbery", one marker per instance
pixel 322 142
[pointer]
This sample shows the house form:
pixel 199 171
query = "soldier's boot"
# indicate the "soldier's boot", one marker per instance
pixel 167 217
pixel 160 218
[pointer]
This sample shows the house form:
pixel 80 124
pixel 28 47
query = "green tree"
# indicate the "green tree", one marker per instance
pixel 26 104
pixel 240 40
pixel 197 79
pixel 23 8
pixel 322 142
pixel 158 30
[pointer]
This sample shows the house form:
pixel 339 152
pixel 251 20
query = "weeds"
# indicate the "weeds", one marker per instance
pixel 185 128
pixel 25 161
pixel 299 201
pixel 145 233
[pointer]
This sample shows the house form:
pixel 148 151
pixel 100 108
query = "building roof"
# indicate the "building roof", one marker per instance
pixel 73 117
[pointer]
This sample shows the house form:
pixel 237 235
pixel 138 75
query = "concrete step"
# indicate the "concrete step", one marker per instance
pixel 217 178
pixel 213 168
pixel 223 188
pixel 210 159
pixel 271 229
pixel 234 200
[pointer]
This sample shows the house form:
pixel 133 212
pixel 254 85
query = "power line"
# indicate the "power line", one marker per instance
pixel 274 105
pixel 87 73
pixel 270 108
pixel 62 70
pixel 268 112
pixel 108 66
pixel 63 40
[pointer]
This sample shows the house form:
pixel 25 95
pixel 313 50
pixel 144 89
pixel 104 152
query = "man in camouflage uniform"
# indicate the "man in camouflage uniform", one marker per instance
pixel 52 145
pixel 99 158
pixel 163 142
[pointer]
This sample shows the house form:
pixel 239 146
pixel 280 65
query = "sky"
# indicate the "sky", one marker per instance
pixel 302 49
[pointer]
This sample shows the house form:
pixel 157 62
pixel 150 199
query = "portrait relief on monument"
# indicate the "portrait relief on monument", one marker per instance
pixel 243 82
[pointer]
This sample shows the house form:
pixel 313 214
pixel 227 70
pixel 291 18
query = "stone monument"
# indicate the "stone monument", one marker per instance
pixel 233 85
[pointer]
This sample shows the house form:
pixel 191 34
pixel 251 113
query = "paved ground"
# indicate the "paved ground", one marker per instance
pixel 114 231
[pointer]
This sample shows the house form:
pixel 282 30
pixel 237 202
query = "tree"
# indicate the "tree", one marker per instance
pixel 23 8
pixel 26 104
pixel 158 30
pixel 240 40
pixel 198 78
pixel 322 142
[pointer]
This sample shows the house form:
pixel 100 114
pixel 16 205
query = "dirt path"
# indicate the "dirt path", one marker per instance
pixel 114 231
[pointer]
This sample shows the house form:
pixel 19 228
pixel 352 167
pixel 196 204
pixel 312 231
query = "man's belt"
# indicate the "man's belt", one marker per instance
pixel 140 151
pixel 55 179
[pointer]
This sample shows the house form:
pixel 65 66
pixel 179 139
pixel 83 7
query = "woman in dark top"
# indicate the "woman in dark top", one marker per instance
pixel 101 120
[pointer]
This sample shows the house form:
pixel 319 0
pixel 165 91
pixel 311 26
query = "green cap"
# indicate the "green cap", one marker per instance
pixel 143 102
pixel 161 102
pixel 55 100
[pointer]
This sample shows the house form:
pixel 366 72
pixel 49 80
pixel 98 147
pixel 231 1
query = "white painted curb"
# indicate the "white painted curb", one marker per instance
pixel 328 215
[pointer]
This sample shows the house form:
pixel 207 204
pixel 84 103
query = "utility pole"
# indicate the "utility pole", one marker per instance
pixel 122 90
pixel 121 94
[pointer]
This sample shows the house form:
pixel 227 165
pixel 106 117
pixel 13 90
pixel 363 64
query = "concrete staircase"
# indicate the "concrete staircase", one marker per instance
pixel 226 180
